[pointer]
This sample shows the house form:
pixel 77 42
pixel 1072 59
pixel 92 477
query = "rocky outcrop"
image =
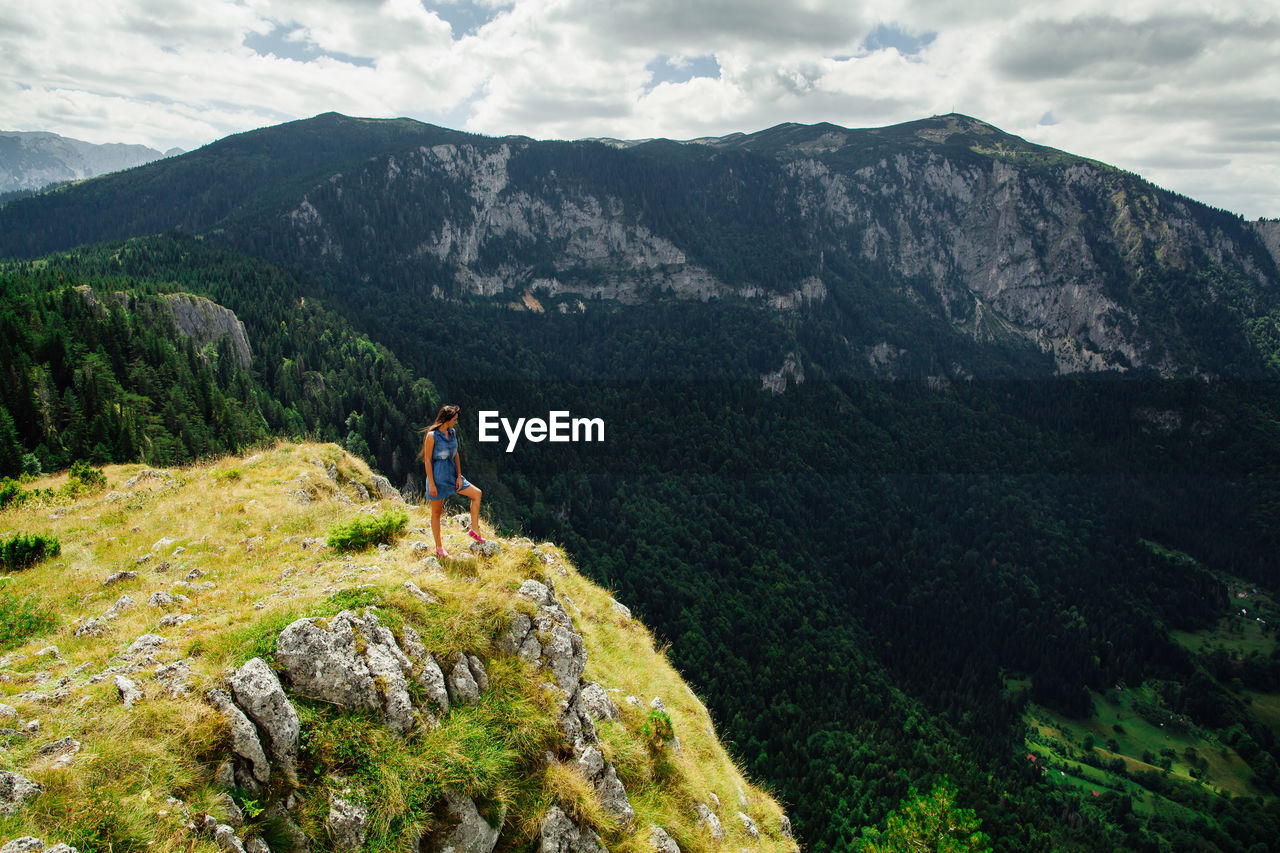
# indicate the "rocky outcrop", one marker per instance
pixel 559 834
pixel 16 791
pixel 465 829
pixel 205 322
pixel 257 690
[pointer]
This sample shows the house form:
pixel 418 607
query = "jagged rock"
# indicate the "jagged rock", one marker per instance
pixel 225 837
pixel 576 729
pixel 563 651
pixel 16 791
pixel 386 490
pixel 123 605
pixel 520 639
pixel 8 712
pixel 235 817
pixel 426 671
pixel 129 692
pixel 120 577
pixel 362 491
pixel 194 575
pixel 784 827
pixel 658 705
pixel 174 620
pixel 294 837
pixel 257 690
pixel 94 626
pixel 613 797
pixel 62 848
pixel 256 845
pixel 163 541
pixel 160 599
pixel 25 844
pixel 488 548
pixel 61 746
pixel 708 818
pixel 742 796
pixel 598 703
pixel 561 835
pixel 421 549
pixel 328 664
pixel 252 769
pixel 748 824
pixel 661 842
pixel 144 647
pixel 470 832
pixel 346 823
pixel 467 679
pixel 619 608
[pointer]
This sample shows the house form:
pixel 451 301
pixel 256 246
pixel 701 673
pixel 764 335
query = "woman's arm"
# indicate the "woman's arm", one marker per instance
pixel 428 450
pixel 457 467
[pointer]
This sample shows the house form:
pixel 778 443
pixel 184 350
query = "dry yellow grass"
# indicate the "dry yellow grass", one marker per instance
pixel 238 525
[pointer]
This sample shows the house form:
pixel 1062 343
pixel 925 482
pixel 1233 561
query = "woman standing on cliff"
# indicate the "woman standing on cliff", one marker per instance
pixel 444 473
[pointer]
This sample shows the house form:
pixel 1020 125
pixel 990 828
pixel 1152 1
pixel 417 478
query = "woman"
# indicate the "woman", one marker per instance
pixel 444 473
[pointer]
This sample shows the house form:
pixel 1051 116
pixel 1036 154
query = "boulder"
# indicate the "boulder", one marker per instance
pixel 252 769
pixel 129 692
pixel 16 791
pixel 384 488
pixel 123 605
pixel 346 823
pixel 25 844
pixel 488 548
pixel 562 650
pixel 559 834
pixel 748 824
pixel 708 818
pixel 95 626
pixel 426 671
pixel 661 842
pixel 257 690
pixel 225 837
pixel 597 702
pixel 467 831
pixel 119 577
pixel 465 677
pixel 352 661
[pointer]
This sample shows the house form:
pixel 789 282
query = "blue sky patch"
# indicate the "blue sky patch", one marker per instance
pixel 277 43
pixel 462 16
pixel 664 69
pixel 886 36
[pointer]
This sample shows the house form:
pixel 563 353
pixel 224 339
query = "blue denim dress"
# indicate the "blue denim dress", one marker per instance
pixel 444 470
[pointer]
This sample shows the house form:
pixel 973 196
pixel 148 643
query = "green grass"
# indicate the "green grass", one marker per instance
pixel 22 619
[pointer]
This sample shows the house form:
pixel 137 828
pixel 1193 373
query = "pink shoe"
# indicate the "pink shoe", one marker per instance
pixel 443 554
pixel 475 536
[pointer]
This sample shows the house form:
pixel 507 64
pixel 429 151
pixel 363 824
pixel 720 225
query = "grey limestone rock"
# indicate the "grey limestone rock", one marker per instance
pixel 559 834
pixel 470 832
pixel 118 577
pixel 661 842
pixel 601 774
pixel 352 661
pixel 129 692
pixel 252 768
pixel 784 827
pixel 346 823
pixel 386 490
pixel 749 825
pixel 520 639
pixel 95 626
pixel 16 791
pixel 256 845
pixel 123 605
pixel 597 702
pixel 706 817
pixel 235 817
pixel 25 844
pixel 562 649
pixel 426 671
pixel 257 690
pixel 488 548
pixel 225 837
pixel 144 647
pixel 467 679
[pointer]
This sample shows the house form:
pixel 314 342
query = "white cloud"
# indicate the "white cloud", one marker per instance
pixel 1179 91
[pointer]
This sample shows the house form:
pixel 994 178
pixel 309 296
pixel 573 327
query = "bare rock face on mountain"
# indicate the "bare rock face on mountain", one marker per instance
pixel 205 322
pixel 32 160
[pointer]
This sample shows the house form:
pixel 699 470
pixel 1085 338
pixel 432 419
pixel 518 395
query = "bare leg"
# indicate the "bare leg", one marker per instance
pixel 474 494
pixel 436 506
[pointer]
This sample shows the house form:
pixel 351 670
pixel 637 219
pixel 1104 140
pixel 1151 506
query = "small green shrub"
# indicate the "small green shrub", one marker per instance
pixel 22 550
pixel 365 531
pixel 21 619
pixel 84 478
pixel 657 730
pixel 11 493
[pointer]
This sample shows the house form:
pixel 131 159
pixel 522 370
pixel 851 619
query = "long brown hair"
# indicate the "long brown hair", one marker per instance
pixel 447 413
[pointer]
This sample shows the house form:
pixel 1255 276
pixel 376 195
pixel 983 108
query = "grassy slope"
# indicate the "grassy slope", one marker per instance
pixel 236 521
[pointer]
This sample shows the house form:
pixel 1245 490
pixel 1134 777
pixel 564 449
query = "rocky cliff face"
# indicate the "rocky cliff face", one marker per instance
pixel 29 161
pixel 205 322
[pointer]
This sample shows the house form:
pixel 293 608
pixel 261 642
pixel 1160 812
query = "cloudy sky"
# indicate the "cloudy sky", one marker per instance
pixel 1183 92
